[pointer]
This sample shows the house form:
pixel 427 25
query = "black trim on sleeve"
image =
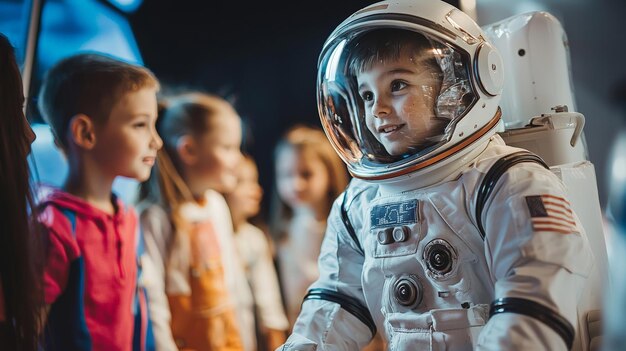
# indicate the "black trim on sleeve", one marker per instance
pixel 535 310
pixel 493 175
pixel 347 303
pixel 346 222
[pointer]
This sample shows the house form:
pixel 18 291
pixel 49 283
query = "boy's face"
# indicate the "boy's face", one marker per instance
pixel 127 143
pixel 399 98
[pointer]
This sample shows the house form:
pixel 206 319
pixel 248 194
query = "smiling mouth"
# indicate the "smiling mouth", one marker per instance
pixel 390 129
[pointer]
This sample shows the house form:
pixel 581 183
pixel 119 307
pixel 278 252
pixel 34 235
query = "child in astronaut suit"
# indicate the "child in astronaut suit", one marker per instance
pixel 447 239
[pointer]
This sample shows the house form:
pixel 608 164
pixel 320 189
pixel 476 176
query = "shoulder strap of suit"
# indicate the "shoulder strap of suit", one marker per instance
pixel 493 175
pixel 346 222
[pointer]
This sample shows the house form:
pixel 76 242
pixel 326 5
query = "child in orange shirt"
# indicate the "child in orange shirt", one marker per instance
pixel 187 224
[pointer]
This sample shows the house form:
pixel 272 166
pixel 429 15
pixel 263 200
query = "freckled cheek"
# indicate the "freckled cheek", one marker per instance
pixel 417 112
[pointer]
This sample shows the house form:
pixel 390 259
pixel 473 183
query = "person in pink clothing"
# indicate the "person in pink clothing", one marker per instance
pixel 102 112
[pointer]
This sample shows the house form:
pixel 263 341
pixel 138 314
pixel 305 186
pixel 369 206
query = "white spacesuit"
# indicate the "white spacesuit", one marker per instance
pixel 446 239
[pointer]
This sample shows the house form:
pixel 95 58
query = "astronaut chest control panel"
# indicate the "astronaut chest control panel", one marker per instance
pixel 424 234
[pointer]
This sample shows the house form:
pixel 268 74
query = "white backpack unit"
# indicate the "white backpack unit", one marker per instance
pixel 538 115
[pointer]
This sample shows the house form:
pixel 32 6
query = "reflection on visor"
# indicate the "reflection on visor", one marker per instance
pixel 392 94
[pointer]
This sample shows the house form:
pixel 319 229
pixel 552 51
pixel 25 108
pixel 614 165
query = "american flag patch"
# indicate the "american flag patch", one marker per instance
pixel 549 213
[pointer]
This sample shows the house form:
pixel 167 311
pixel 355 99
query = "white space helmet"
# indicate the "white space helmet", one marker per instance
pixel 404 85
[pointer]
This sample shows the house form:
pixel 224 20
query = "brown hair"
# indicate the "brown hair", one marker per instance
pixel 389 44
pixel 307 139
pixel 87 83
pixel 20 251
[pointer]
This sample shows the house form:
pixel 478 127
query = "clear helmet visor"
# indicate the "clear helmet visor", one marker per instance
pixel 391 97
